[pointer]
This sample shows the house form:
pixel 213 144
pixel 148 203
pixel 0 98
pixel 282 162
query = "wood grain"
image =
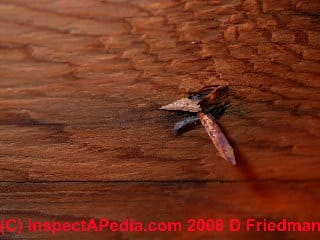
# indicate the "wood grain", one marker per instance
pixel 80 87
pixel 175 201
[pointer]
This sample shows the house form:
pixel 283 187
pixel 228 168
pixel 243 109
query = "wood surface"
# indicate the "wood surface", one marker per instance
pixel 81 135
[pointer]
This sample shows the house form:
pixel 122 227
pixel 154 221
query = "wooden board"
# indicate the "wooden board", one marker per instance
pixel 162 202
pixel 80 87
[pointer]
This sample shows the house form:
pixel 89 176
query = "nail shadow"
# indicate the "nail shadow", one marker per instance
pixel 245 168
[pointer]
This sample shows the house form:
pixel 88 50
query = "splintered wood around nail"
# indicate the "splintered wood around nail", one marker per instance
pixel 183 104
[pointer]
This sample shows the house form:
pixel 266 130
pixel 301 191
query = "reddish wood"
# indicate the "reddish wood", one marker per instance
pixel 81 84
